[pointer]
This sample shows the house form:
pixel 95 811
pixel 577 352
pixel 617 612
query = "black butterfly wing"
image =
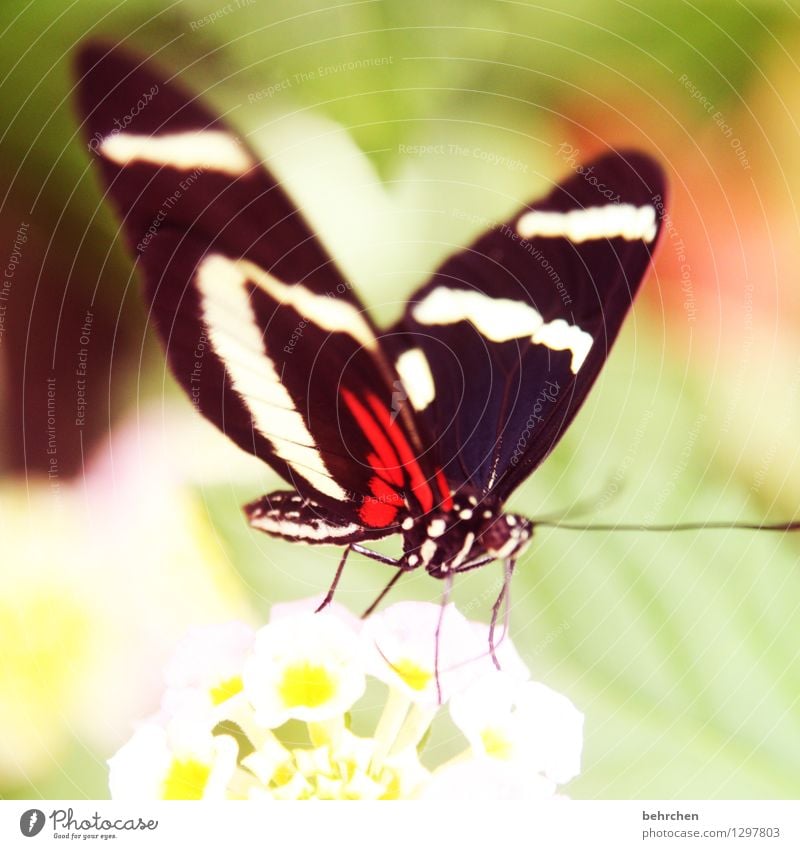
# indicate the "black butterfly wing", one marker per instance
pixel 506 339
pixel 260 327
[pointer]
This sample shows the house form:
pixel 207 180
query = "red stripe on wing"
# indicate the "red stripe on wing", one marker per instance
pixel 380 509
pixel 384 460
pixel 419 484
pixel 447 499
pixel 393 456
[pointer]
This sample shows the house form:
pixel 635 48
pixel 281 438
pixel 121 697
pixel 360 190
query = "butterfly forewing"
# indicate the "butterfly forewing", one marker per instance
pixel 261 328
pixel 505 340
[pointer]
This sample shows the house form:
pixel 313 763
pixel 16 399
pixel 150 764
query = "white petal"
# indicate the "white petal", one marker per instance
pixel 209 655
pixel 487 702
pixel 319 646
pixel 309 605
pixel 557 727
pixel 524 722
pixel 401 649
pixel 138 769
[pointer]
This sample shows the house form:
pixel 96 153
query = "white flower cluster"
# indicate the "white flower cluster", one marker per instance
pixel 236 700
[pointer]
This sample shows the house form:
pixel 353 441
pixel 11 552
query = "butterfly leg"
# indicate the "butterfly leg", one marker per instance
pixel 448 586
pixel 367 552
pixel 502 598
pixel 475 564
pixel 374 555
pixel 401 566
pixel 383 593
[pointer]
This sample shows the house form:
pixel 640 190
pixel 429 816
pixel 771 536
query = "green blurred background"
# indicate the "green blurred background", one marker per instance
pixel 120 532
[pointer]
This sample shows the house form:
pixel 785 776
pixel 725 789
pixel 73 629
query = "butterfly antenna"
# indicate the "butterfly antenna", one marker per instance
pixel 681 526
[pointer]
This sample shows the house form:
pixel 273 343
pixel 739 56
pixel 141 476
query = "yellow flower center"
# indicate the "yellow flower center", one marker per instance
pixel 306 685
pixel 413 674
pixel 323 773
pixel 186 780
pixel 226 689
pixel 496 744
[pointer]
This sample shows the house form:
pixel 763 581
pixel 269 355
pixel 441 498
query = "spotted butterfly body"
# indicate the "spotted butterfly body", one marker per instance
pixel 422 430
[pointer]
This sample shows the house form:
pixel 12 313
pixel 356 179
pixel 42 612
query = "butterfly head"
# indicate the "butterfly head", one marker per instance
pixel 445 542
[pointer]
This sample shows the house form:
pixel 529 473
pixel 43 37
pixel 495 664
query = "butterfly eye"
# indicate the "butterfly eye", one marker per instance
pixel 496 535
pixel 505 535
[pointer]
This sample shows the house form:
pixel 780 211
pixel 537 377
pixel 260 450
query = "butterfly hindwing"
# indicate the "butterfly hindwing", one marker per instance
pixel 261 328
pixel 290 516
pixel 503 343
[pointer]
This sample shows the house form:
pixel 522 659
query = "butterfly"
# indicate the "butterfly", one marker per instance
pixel 423 429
